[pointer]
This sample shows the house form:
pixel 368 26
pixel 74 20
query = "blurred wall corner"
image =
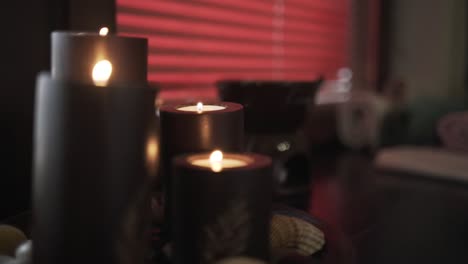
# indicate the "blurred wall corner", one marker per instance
pixel 365 34
pixel 25 52
pixel 91 15
pixel 427 47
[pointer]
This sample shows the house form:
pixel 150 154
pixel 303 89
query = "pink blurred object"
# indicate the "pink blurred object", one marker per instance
pixel 453 131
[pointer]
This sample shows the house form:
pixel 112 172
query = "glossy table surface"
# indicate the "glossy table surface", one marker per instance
pixel 373 216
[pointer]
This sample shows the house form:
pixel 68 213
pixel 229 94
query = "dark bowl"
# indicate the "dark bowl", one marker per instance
pixel 271 107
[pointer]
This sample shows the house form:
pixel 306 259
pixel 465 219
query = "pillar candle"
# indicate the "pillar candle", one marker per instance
pixel 222 206
pixel 95 151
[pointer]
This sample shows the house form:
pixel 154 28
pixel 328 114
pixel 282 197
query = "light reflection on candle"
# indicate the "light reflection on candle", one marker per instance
pixel 104 31
pixel 152 151
pixel 102 71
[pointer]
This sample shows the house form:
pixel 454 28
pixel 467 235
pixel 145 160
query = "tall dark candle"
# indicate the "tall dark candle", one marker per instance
pixel 221 209
pixel 75 54
pixel 186 130
pixel 93 161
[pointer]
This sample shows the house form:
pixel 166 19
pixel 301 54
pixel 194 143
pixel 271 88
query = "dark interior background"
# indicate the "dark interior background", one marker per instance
pixel 24 52
pixel 25 45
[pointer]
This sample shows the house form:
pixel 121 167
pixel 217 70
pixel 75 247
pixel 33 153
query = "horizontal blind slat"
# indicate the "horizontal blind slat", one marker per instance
pixel 219 15
pixel 195 43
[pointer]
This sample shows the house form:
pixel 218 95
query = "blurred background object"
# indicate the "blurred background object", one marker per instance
pixel 453 131
pixel 274 116
pixel 10 239
pixel 241 260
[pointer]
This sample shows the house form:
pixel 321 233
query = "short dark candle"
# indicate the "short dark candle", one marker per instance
pixel 221 211
pixel 74 55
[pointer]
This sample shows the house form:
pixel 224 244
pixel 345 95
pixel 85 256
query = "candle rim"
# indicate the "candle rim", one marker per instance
pixel 204 105
pixel 173 108
pixel 92 34
pixel 254 160
pixel 244 158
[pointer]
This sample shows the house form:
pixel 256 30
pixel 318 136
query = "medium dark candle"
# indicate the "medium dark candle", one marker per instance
pixel 222 206
pixel 201 127
pixel 75 54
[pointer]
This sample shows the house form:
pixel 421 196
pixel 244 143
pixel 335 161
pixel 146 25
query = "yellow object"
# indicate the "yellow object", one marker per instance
pixel 240 260
pixel 290 233
pixel 10 239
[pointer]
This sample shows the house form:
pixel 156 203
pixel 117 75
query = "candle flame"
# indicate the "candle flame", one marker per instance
pixel 216 159
pixel 200 108
pixel 102 71
pixel 104 31
pixel 216 156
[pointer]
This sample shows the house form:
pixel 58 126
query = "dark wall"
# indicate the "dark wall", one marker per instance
pixel 24 51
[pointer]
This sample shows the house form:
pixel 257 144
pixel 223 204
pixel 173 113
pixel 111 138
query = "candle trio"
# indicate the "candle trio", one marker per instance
pixel 96 154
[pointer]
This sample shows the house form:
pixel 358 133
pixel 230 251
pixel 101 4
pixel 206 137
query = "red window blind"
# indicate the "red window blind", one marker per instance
pixel 192 44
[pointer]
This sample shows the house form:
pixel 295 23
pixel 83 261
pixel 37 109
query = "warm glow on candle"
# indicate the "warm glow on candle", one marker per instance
pixel 101 72
pixel 104 31
pixel 200 108
pixel 217 161
pixel 152 151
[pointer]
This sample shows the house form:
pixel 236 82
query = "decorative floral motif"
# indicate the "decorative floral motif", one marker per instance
pixel 228 235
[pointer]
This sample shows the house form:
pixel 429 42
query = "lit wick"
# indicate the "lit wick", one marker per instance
pixel 104 31
pixel 200 109
pixel 216 160
pixel 102 71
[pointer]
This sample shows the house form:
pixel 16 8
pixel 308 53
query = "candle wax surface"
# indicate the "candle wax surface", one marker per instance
pixel 225 163
pixel 206 108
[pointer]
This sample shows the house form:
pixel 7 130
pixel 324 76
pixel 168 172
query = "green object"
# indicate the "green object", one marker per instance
pixel 416 123
pixel 425 113
pixel 394 128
